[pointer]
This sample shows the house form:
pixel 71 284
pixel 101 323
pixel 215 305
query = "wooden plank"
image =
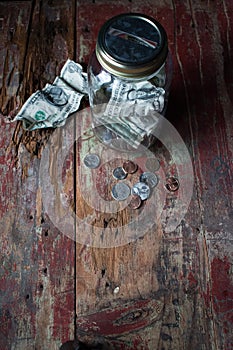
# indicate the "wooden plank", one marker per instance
pixel 210 110
pixel 178 269
pixel 37 261
pixel 164 290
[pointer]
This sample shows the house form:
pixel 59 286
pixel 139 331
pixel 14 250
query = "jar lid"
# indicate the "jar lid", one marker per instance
pixel 132 45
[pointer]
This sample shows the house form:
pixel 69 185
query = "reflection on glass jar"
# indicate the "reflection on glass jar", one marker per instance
pixel 129 76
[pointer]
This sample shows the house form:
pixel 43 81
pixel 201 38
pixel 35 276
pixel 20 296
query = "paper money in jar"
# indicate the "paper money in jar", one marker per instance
pixel 129 74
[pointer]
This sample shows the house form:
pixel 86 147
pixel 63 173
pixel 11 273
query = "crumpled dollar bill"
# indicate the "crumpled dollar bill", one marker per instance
pixel 131 112
pixel 50 107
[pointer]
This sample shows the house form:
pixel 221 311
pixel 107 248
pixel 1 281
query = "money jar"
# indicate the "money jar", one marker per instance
pixel 129 76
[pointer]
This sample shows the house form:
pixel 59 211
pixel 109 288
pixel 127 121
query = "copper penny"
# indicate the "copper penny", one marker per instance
pixel 172 184
pixel 135 202
pixel 129 167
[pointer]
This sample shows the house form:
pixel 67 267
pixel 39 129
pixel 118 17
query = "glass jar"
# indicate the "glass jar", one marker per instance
pixel 129 76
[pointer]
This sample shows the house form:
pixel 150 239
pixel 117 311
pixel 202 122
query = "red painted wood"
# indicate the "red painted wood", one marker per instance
pixel 123 319
pixel 37 261
pixel 189 270
pixel 200 107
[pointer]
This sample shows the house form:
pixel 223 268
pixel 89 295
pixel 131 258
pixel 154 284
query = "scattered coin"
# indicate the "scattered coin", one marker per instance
pixel 135 202
pixel 120 191
pixel 129 167
pixel 152 164
pixel 91 160
pixel 172 184
pixel 149 178
pixel 142 190
pixel 119 173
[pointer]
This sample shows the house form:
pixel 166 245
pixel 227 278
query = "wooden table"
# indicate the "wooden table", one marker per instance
pixel 164 290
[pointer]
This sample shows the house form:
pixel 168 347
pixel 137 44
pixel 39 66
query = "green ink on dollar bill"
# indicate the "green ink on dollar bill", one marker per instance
pixel 40 115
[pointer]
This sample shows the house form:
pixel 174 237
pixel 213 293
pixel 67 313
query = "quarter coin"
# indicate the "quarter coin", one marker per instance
pixel 142 190
pixel 152 164
pixel 129 167
pixel 135 202
pixel 149 178
pixel 120 191
pixel 119 173
pixel 91 161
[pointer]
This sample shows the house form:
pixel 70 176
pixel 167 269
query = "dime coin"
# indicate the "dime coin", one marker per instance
pixel 149 178
pixel 119 173
pixel 91 161
pixel 129 167
pixel 120 191
pixel 142 190
pixel 135 202
pixel 152 164
pixel 172 184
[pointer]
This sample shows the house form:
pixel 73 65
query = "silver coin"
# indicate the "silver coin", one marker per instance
pixel 120 191
pixel 152 164
pixel 91 161
pixel 142 190
pixel 149 178
pixel 119 173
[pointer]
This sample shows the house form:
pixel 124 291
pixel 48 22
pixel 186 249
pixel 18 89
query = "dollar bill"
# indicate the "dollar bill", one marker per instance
pixel 135 103
pixel 72 73
pixel 133 110
pixel 50 107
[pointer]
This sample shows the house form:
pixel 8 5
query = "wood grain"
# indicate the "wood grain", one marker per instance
pixel 115 286
pixel 37 261
pixel 181 266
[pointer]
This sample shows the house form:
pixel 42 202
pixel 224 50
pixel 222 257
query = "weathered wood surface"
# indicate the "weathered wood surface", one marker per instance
pixel 175 289
pixel 187 274
pixel 37 262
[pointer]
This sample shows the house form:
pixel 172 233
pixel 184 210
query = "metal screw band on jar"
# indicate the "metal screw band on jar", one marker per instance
pixel 132 46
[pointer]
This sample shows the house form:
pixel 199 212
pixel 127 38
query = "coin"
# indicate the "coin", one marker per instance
pixel 129 167
pixel 172 184
pixel 135 202
pixel 120 191
pixel 142 190
pixel 91 160
pixel 149 178
pixel 152 164
pixel 119 173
